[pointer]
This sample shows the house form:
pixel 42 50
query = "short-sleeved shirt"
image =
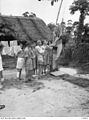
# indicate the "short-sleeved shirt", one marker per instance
pixel 40 51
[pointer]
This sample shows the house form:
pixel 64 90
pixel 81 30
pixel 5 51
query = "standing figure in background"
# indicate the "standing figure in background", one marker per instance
pixel 40 54
pixel 20 61
pixel 45 48
pixel 50 56
pixel 54 52
pixel 34 57
pixel 1 71
pixel 29 69
pixel 57 49
pixel 1 67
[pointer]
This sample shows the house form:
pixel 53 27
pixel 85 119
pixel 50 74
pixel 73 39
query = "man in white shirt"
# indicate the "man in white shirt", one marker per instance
pixel 56 54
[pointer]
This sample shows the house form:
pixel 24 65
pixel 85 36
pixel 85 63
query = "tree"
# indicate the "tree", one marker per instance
pixel 27 14
pixel 51 26
pixel 86 33
pixel 83 7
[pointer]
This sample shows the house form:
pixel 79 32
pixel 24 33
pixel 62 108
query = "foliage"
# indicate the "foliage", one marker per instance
pixel 27 14
pixel 65 39
pixel 81 53
pixel 51 26
pixel 76 56
pixel 83 7
pixel 66 56
pixel 68 29
pixel 57 29
pixel 85 37
pixel 75 23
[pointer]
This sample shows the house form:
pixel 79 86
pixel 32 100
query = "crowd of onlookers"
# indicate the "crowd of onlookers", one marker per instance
pixel 38 58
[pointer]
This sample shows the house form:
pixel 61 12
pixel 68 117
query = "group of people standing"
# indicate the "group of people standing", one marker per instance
pixel 36 58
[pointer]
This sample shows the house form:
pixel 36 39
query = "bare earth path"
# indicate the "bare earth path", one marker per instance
pixel 49 96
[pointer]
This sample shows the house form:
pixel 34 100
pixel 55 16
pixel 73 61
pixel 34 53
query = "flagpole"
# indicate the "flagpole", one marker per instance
pixel 0 7
pixel 59 11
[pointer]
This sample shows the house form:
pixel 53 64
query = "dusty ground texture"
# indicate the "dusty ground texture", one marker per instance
pixel 48 97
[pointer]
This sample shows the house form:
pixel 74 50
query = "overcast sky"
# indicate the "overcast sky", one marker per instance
pixel 42 9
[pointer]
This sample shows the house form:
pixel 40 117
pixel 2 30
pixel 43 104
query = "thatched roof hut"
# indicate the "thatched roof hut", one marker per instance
pixel 23 28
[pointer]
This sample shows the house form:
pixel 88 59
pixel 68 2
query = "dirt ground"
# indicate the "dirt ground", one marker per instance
pixel 64 96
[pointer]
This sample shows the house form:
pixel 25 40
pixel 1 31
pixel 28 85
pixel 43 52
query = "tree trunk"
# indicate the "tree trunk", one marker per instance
pixel 80 28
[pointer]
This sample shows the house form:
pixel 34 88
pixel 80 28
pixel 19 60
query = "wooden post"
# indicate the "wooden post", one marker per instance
pixel 59 11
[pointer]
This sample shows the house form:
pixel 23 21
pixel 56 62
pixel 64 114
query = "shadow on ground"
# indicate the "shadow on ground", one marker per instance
pixel 81 82
pixel 36 84
pixel 77 81
pixel 14 83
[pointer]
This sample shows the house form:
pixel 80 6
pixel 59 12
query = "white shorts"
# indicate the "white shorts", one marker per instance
pixel 20 63
pixel 1 67
pixel 40 58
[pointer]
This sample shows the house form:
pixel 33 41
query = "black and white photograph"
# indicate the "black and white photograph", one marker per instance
pixel 44 58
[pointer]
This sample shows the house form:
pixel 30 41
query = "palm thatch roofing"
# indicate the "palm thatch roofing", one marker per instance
pixel 25 28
